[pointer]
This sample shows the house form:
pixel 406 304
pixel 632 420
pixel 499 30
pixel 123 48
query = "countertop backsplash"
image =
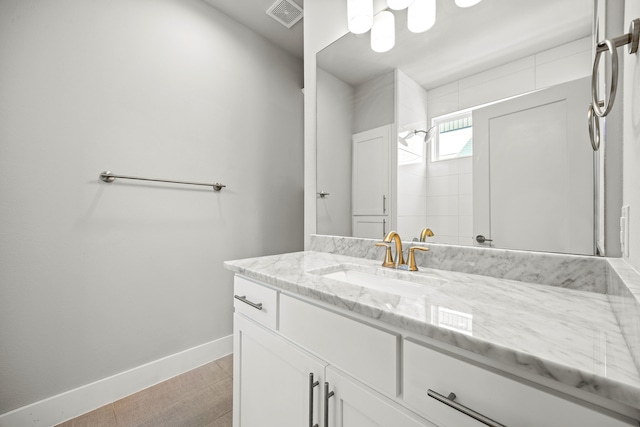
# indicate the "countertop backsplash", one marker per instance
pixel 577 272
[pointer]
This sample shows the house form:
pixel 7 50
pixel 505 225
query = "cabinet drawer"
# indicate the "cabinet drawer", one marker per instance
pixel 502 399
pixel 247 293
pixel 367 353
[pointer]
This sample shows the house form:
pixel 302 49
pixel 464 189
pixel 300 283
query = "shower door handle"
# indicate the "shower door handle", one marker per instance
pixel 481 239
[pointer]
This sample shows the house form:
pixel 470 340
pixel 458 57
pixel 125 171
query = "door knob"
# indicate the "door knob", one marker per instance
pixel 481 239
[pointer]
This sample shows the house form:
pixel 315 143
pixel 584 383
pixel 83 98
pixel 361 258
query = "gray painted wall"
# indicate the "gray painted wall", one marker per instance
pixel 99 278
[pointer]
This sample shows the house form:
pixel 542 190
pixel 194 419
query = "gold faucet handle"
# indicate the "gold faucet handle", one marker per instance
pixel 412 257
pixel 388 259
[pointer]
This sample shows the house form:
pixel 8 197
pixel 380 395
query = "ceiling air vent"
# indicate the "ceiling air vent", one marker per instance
pixel 285 12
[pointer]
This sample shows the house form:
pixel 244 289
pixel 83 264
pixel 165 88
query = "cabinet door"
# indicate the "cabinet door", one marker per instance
pixel 354 405
pixel 371 172
pixel 370 227
pixel 272 380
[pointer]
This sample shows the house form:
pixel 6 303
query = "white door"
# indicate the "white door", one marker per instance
pixel 371 172
pixel 272 382
pixel 533 171
pixel 354 405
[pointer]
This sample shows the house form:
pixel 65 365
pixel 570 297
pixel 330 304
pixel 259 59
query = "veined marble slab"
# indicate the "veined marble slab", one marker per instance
pixel 623 288
pixel 566 335
pixel 585 273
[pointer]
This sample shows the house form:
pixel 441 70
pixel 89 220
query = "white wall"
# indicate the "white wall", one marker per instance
pixel 99 278
pixel 374 103
pixel 631 142
pixel 335 109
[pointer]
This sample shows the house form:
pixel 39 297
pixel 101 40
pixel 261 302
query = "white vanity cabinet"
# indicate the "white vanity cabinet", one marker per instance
pixel 351 404
pixel 369 374
pixel 429 372
pixel 275 383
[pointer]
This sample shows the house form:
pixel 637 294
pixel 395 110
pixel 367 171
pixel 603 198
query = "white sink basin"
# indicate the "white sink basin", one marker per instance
pixel 409 284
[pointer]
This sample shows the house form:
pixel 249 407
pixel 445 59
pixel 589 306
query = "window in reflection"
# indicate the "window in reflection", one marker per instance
pixel 454 138
pixel 452 319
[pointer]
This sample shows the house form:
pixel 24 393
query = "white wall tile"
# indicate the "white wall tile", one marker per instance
pixel 447 167
pixel 465 165
pixel 446 185
pixel 495 75
pixel 506 86
pixel 563 70
pixel 412 184
pixel 409 204
pixel 465 184
pixel 443 224
pixel 465 226
pixel 442 205
pixel 563 51
pixel 466 205
pixel 443 105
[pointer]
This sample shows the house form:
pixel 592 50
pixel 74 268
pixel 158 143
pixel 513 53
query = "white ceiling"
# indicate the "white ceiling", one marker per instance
pixel 463 41
pixel 252 14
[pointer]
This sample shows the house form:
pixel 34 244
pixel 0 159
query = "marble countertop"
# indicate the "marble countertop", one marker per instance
pixel 566 335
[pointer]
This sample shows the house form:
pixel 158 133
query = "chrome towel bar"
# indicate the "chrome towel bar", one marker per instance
pixel 107 176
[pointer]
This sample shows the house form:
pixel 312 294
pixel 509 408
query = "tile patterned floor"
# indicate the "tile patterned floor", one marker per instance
pixel 198 398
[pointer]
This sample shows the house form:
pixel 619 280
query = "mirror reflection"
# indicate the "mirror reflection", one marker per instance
pixel 474 129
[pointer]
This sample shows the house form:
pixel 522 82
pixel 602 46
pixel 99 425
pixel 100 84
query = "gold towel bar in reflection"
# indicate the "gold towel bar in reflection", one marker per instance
pixel 107 176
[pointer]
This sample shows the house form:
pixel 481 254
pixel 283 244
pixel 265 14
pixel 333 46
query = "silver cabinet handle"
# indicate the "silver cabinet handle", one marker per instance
pixel 323 194
pixel 312 385
pixel 384 204
pixel 244 299
pixel 327 396
pixel 384 227
pixel 449 401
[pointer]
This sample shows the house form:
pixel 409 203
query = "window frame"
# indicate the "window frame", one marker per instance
pixel 436 122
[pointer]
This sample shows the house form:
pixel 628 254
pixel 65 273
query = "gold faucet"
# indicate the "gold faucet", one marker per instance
pixel 398 261
pixel 426 233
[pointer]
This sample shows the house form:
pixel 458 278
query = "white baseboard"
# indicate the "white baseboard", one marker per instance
pixel 70 404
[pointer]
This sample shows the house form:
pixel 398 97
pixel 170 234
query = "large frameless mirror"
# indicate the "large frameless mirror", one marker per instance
pixel 474 129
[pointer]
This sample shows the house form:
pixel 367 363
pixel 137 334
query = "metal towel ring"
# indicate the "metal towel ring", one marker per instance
pixel 595 104
pixel 594 128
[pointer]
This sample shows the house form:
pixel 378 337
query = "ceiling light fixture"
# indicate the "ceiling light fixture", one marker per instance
pixel 421 15
pixel 359 15
pixel 399 4
pixel 467 3
pixel 383 32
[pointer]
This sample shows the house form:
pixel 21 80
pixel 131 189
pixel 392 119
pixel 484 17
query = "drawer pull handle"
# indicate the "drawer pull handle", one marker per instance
pixel 450 401
pixel 244 299
pixel 312 385
pixel 327 394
